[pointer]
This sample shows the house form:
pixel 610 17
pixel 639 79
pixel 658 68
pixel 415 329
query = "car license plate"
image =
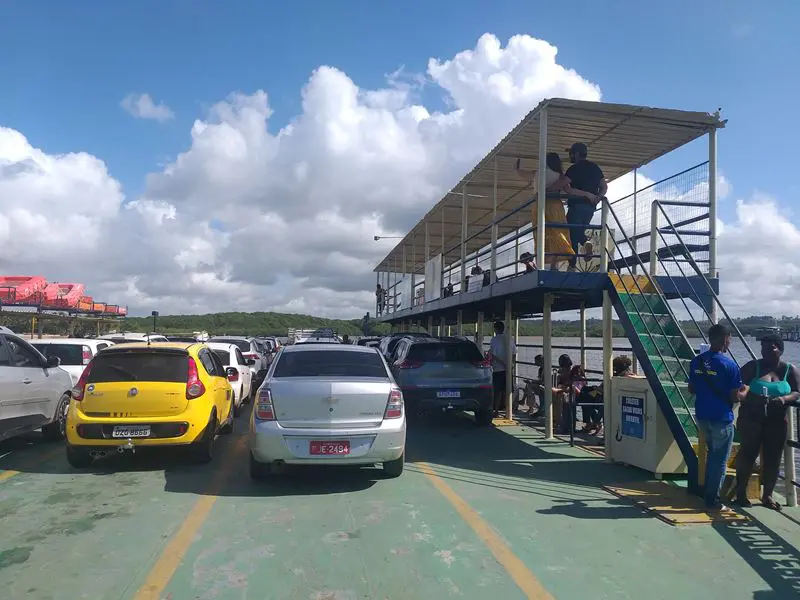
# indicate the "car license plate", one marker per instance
pixel 333 448
pixel 131 431
pixel 448 394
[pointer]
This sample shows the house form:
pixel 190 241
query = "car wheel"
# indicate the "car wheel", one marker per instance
pixel 57 430
pixel 258 471
pixel 394 468
pixel 203 449
pixel 227 428
pixel 483 417
pixel 78 458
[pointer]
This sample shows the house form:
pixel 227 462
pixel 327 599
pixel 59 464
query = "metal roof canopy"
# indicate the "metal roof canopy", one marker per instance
pixel 620 138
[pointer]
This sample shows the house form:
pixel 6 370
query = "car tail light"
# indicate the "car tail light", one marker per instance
pixel 484 364
pixel 265 411
pixel 409 364
pixel 194 387
pixel 80 387
pixel 394 407
pixel 233 373
pixel 87 355
pixel 252 355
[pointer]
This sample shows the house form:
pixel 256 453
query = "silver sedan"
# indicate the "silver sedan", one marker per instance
pixel 328 404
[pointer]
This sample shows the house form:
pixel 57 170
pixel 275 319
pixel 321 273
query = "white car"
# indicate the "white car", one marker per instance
pixel 237 369
pixel 34 390
pixel 249 350
pixel 328 404
pixel 75 353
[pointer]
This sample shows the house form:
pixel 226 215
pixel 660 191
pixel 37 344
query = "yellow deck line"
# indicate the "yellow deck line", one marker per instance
pixel 172 555
pixel 8 475
pixel 522 576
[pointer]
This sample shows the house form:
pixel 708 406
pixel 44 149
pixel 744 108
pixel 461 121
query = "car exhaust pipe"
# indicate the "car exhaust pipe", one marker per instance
pixel 97 453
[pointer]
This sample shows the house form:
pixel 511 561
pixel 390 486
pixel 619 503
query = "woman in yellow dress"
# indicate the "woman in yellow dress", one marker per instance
pixel 556 239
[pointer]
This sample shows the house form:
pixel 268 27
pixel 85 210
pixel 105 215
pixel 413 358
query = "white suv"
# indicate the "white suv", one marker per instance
pixel 34 390
pixel 75 353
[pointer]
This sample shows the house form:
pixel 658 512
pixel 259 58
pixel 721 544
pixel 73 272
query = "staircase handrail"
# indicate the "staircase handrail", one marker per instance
pixel 610 210
pixel 658 204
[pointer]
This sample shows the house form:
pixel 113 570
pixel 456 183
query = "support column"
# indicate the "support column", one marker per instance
pixel 604 242
pixel 654 240
pixel 479 332
pixel 413 299
pixel 712 213
pixel 635 225
pixel 547 351
pixel 541 192
pixel 511 364
pixel 459 323
pixel 789 470
pixel 583 334
pixel 463 239
pixel 493 264
pixel 608 357
pixel 403 276
pixel 442 327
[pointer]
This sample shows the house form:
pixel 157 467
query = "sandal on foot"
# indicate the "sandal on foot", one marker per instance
pixel 743 502
pixel 771 504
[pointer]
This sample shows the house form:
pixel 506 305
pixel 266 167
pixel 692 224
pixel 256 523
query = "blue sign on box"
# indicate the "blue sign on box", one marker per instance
pixel 633 417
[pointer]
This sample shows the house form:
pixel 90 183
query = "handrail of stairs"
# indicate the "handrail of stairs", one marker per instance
pixel 658 207
pixel 651 281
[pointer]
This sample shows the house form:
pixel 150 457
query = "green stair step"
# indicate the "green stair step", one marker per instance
pixel 658 323
pixel 674 346
pixel 643 303
pixel 671 368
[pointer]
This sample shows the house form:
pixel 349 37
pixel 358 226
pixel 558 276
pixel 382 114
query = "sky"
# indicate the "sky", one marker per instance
pixel 193 157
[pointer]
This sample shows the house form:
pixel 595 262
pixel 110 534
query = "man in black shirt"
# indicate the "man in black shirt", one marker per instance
pixel 589 186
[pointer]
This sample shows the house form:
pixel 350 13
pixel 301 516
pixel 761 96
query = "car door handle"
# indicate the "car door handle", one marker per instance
pixel 26 381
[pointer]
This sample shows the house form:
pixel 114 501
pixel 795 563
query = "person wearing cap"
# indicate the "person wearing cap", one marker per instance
pixel 588 187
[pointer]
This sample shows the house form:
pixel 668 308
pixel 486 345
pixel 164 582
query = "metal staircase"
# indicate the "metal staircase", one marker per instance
pixel 656 336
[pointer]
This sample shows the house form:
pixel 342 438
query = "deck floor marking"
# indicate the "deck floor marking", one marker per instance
pixel 174 551
pixel 520 573
pixel 9 473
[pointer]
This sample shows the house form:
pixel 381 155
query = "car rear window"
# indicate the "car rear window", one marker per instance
pixel 223 355
pixel 139 366
pixel 70 354
pixel 466 352
pixel 243 345
pixel 319 363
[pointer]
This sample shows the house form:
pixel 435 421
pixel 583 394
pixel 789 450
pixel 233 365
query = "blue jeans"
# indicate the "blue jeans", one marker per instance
pixel 579 213
pixel 719 440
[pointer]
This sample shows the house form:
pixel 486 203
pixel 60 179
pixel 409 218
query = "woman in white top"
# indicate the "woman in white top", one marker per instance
pixel 556 239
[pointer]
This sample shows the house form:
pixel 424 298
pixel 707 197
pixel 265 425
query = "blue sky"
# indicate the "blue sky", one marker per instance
pixel 66 66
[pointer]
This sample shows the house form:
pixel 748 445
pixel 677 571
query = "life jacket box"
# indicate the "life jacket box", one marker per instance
pixel 639 433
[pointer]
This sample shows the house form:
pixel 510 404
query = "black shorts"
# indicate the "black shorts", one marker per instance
pixel 499 383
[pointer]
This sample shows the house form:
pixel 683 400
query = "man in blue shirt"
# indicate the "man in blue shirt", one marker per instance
pixel 716 382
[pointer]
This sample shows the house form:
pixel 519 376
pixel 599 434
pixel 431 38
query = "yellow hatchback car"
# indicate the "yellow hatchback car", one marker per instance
pixel 142 395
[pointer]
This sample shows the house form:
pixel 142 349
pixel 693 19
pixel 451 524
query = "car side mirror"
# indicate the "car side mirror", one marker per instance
pixel 251 361
pixel 53 362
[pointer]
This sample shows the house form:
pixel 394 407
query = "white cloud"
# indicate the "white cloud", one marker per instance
pixel 142 106
pixel 249 218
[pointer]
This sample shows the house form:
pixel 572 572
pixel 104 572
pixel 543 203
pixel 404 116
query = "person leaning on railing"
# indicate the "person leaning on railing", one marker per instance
pixel 588 188
pixel 774 386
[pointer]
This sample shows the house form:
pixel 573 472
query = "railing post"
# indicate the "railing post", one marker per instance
pixel 654 239
pixel 541 191
pixel 608 357
pixel 413 299
pixel 712 213
pixel 789 470
pixel 604 237
pixel 583 334
pixel 462 288
pixel 547 351
pixel 493 263
pixel 509 363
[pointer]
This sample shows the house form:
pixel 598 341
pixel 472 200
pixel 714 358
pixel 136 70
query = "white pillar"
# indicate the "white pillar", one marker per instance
pixel 583 334
pixel 547 368
pixel 510 364
pixel 443 256
pixel 654 240
pixel 463 238
pixel 479 332
pixel 635 225
pixel 608 356
pixel 493 265
pixel 712 212
pixel 459 323
pixel 413 299
pixel 789 470
pixel 541 192
pixel 430 324
pixel 604 241
pixel 442 327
